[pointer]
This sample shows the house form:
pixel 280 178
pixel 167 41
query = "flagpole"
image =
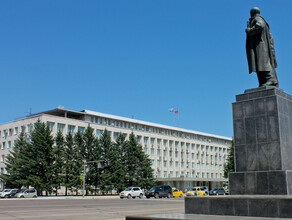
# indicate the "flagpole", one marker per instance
pixel 173 119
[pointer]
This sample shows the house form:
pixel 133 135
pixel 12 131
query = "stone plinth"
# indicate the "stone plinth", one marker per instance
pixel 257 206
pixel 261 185
pixel 262 123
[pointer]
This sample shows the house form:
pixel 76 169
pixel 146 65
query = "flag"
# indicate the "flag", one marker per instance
pixel 171 110
pixel 176 111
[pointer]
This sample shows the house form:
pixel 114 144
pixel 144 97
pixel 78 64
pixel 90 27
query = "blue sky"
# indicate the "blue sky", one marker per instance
pixel 135 58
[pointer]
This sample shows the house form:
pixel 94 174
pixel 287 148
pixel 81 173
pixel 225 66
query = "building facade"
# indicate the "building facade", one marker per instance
pixel 181 158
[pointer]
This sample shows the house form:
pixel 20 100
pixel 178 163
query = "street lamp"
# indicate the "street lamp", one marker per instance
pixel 86 170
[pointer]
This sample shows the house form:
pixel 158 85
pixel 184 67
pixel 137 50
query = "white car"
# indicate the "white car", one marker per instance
pixel 27 193
pixel 132 192
pixel 5 192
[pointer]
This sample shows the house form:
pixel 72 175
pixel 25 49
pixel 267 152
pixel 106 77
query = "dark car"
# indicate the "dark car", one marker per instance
pixel 217 191
pixel 12 193
pixel 159 192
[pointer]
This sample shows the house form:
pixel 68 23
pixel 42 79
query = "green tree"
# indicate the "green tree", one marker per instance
pixel 229 165
pixel 80 155
pixel 106 147
pixel 58 164
pixel 145 172
pixel 91 156
pixel 120 148
pixel 41 160
pixel 72 170
pixel 138 165
pixel 94 174
pixel 115 168
pixel 15 164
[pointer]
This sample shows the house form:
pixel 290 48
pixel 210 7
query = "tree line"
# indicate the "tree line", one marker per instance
pixel 47 163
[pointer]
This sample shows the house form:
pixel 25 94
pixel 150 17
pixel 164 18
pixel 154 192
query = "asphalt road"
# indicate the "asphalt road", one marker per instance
pixel 102 207
pixel 85 208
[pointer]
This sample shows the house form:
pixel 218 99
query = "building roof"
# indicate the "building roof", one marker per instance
pixel 61 112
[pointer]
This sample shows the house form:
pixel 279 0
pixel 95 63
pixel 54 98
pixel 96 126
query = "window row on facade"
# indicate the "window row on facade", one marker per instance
pixel 194 174
pixel 152 129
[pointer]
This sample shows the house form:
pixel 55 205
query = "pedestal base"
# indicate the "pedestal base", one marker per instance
pixel 256 206
pixel 261 183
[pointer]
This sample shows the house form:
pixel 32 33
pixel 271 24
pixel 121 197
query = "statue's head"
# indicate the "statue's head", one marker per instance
pixel 254 11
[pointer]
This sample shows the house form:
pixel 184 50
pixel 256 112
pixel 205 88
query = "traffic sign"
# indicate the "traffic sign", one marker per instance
pixel 82 176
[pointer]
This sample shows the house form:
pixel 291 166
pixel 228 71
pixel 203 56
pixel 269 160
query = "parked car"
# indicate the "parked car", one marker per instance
pixel 5 192
pixel 217 191
pixel 206 189
pixel 28 193
pixel 12 193
pixel 197 191
pixel 177 193
pixel 159 192
pixel 132 192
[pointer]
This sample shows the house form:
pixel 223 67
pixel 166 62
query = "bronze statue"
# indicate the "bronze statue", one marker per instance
pixel 260 49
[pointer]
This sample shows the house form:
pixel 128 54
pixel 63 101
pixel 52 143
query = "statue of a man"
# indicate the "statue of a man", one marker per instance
pixel 260 49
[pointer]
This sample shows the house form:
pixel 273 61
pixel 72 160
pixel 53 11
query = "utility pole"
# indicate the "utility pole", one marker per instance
pixel 84 172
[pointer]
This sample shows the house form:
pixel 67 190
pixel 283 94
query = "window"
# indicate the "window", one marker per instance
pixel 165 143
pixel 158 173
pixel 60 127
pixel 116 135
pixel 152 152
pixel 182 146
pixel 2 158
pixel 98 133
pixel 29 128
pixel 158 163
pixel 3 145
pixel 23 128
pixel 165 174
pixel 158 142
pixel 176 164
pixel 16 131
pixel 10 131
pixel 5 133
pixel 9 145
pixel 71 128
pixel 158 152
pixel 81 129
pixel 50 125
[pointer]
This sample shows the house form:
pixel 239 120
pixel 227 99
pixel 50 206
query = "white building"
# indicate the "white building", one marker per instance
pixel 180 157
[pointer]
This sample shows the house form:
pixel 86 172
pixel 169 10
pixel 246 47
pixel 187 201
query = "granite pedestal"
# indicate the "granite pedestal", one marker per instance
pixel 262 123
pixel 262 182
